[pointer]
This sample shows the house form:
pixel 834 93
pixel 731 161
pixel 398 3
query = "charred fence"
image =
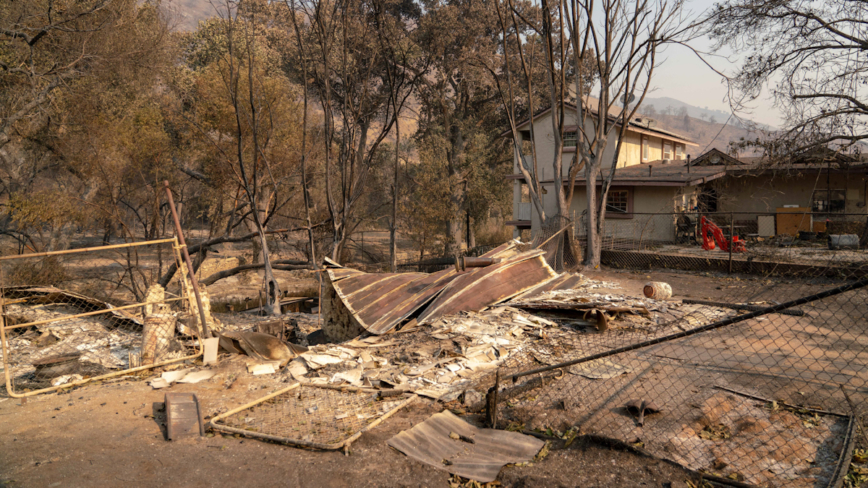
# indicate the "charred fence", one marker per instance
pixel 754 372
pixel 75 316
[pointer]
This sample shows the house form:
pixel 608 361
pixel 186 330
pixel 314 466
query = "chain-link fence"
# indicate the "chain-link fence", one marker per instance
pixel 754 372
pixel 70 317
pixel 796 243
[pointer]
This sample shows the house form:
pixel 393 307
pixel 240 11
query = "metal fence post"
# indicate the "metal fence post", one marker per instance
pixel 193 281
pixel 731 238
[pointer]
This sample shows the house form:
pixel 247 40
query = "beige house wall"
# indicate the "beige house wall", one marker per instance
pixel 646 200
pixel 630 154
pixel 765 193
pixel 631 148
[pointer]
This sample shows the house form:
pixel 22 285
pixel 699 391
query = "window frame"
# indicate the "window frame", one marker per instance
pixel 610 214
pixel 824 193
pixel 671 150
pixel 645 149
pixel 679 152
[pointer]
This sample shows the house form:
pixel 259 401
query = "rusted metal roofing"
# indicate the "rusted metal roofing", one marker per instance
pixel 477 454
pixel 566 281
pixel 341 273
pixel 394 307
pixel 482 287
pixel 380 301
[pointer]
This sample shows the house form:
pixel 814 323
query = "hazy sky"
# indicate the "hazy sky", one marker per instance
pixel 684 77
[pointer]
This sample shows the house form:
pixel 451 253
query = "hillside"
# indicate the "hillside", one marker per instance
pixel 186 14
pixel 706 134
pixel 663 105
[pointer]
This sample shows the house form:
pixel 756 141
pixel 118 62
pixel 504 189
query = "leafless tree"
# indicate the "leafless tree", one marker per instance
pixel 811 55
pixel 625 37
pixel 350 83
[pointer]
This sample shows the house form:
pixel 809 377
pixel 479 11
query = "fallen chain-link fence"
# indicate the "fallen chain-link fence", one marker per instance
pixel 75 316
pixel 756 376
pixel 310 415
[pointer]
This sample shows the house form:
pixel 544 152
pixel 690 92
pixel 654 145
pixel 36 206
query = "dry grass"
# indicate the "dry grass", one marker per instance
pixel 48 271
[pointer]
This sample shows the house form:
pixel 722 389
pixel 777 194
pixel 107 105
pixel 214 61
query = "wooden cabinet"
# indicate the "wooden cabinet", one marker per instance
pixel 791 220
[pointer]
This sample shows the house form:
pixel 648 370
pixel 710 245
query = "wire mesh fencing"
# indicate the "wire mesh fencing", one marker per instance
pixel 556 237
pixel 70 317
pixel 312 415
pixel 754 372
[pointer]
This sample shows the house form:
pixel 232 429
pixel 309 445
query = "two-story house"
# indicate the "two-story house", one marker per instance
pixel 643 144
pixel 655 174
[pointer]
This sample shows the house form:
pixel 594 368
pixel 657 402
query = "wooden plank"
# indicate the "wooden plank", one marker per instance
pixel 792 220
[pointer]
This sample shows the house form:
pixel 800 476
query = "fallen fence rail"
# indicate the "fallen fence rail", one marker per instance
pixel 311 415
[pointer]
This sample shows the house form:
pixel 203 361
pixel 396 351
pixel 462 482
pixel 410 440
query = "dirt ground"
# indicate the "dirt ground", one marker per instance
pixel 112 433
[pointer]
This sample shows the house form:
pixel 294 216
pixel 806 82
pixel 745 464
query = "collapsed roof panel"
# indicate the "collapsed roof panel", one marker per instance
pixel 376 302
pixel 566 281
pixel 341 273
pixel 356 302
pixel 493 284
pixel 397 306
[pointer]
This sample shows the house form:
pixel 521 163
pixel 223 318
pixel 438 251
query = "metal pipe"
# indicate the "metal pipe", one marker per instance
pixel 193 281
pixel 464 262
pixel 87 249
pixel 471 262
pixel 6 369
pixel 714 325
pixel 731 238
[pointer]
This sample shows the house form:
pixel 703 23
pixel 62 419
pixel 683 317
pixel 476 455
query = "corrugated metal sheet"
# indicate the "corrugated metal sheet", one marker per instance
pixel 341 273
pixel 430 442
pixel 391 309
pixel 566 281
pixel 380 301
pixel 487 286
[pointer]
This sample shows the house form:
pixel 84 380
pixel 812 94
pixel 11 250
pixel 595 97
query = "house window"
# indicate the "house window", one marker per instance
pixel 619 203
pixel 616 201
pixel 667 150
pixel 646 149
pixel 679 152
pixel 570 138
pixel 829 201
